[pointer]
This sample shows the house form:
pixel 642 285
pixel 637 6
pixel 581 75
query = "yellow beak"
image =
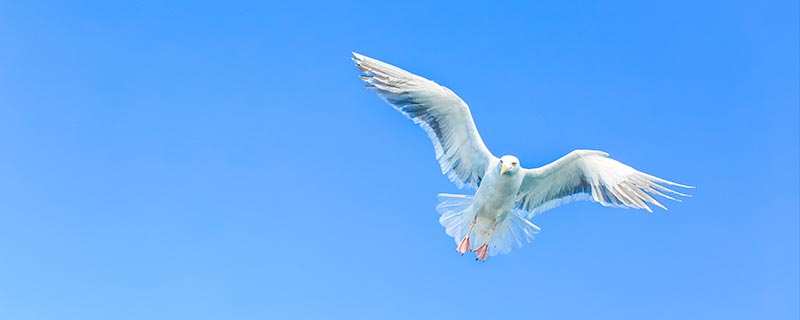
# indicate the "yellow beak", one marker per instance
pixel 503 169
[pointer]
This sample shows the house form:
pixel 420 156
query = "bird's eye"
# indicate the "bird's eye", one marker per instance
pixel 513 163
pixel 501 161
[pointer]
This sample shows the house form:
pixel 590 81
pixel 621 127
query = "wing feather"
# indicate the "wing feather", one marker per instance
pixel 590 175
pixel 446 118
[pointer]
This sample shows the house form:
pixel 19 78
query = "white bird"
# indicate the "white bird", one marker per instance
pixel 507 194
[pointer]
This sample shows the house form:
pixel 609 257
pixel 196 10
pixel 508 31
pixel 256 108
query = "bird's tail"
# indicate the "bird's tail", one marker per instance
pixel 457 212
pixel 513 231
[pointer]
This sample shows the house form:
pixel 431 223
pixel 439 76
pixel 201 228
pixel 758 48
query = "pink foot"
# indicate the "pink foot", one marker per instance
pixel 463 247
pixel 482 252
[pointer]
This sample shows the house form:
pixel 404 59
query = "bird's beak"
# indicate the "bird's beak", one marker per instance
pixel 503 169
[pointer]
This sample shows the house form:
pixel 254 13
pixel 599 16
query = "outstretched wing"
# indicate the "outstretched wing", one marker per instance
pixel 444 116
pixel 590 175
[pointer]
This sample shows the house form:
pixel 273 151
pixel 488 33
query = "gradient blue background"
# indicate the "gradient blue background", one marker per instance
pixel 193 160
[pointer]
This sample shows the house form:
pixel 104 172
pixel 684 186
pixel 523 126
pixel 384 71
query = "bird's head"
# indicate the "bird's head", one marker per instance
pixel 509 165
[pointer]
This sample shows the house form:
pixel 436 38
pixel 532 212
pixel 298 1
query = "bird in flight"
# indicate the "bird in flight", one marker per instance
pixel 497 216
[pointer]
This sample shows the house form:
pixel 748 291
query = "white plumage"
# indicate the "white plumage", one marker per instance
pixel 507 195
pixel 444 116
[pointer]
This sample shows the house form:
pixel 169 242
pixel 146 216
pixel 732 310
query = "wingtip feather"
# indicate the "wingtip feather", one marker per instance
pixel 357 56
pixel 665 181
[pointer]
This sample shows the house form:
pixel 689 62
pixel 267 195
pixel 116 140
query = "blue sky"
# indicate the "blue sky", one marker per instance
pixel 197 160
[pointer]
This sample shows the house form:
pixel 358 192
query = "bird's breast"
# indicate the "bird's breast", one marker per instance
pixel 497 193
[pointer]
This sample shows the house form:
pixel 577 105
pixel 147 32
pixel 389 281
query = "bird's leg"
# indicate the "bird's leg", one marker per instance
pixel 464 246
pixel 483 251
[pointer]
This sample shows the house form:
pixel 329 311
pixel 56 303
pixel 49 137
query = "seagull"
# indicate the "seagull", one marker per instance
pixel 508 195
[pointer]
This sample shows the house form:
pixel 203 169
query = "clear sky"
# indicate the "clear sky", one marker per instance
pixel 197 160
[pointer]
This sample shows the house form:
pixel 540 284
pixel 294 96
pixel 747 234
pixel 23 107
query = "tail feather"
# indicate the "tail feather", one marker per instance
pixel 513 231
pixel 453 209
pixel 457 212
